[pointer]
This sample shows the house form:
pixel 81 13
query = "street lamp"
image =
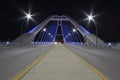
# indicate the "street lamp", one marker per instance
pixel 91 18
pixel 28 16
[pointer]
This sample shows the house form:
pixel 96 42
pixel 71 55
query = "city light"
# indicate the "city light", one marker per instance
pixel 69 34
pixel 28 16
pixel 49 33
pixel 44 29
pixel 90 17
pixel 74 30
pixel 109 44
pixel 55 42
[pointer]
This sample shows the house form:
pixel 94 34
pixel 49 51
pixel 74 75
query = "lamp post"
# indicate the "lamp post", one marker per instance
pixel 91 18
pixel 28 16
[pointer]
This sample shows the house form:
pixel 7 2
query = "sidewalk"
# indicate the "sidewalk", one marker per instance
pixel 61 64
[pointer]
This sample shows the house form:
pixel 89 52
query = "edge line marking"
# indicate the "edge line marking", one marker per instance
pixel 29 67
pixel 88 65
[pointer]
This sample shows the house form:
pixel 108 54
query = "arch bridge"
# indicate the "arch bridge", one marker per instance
pixel 64 27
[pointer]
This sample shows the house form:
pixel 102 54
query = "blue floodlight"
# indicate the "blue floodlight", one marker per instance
pixel 32 29
pixel 86 31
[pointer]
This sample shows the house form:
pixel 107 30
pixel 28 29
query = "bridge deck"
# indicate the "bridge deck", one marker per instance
pixel 61 64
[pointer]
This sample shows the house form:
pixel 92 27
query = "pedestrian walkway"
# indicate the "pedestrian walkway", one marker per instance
pixel 61 64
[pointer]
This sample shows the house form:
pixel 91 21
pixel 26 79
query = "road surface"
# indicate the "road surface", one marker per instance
pixel 60 63
pixel 106 60
pixel 15 59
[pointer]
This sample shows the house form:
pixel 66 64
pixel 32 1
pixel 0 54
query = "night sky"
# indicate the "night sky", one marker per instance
pixel 107 21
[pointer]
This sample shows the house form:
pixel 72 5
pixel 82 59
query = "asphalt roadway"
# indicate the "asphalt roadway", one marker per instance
pixel 15 59
pixel 106 60
pixel 60 63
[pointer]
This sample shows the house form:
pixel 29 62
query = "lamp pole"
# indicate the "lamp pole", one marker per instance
pixel 22 29
pixel 91 18
pixel 28 16
pixel 96 36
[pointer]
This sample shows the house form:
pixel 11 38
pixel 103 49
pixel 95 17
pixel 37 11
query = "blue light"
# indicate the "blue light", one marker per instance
pixel 66 31
pixel 86 31
pixel 32 29
pixel 52 30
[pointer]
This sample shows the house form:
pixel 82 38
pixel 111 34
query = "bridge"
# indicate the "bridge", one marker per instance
pixel 70 30
pixel 59 49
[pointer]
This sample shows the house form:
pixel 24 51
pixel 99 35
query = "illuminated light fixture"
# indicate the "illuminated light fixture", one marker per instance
pixel 109 44
pixel 74 30
pixel 55 42
pixel 44 29
pixel 33 29
pixel 90 17
pixel 69 34
pixel 86 31
pixel 7 42
pixel 28 16
pixel 49 33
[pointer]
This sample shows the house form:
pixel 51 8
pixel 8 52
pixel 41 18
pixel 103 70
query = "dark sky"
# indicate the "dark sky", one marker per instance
pixel 108 22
